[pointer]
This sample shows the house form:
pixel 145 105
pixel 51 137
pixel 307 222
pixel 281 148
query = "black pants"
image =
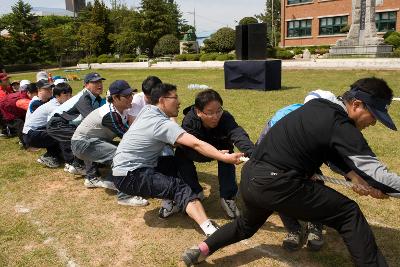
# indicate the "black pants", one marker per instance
pixel 40 138
pixel 264 190
pixel 161 182
pixel 60 130
pixel 185 159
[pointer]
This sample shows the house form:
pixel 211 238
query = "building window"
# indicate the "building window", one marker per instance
pixel 299 28
pixel 291 2
pixel 385 21
pixel 332 25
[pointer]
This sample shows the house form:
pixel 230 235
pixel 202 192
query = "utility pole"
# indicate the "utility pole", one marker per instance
pixel 272 24
pixel 194 17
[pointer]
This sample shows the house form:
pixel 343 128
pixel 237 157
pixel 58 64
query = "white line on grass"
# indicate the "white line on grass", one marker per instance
pixel 51 241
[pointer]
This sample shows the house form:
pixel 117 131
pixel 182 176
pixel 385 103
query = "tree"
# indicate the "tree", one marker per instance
pixel 273 20
pixel 100 16
pixel 222 41
pixel 167 45
pixel 61 39
pixel 89 38
pixel 248 20
pixel 25 39
pixel 156 21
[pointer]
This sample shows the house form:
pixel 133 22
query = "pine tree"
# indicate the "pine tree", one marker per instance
pixel 273 21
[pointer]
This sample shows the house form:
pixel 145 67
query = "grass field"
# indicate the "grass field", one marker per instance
pixel 48 218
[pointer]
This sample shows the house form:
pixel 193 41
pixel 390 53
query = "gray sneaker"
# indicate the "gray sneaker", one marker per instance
pixel 134 201
pixel 229 205
pixel 293 241
pixel 315 239
pixel 193 256
pixel 49 162
pixel 168 208
pixel 96 182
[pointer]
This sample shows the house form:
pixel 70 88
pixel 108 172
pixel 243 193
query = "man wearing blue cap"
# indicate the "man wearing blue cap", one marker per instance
pixel 62 122
pixel 278 175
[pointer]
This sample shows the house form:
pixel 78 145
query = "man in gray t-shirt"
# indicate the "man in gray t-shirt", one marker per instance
pixel 135 163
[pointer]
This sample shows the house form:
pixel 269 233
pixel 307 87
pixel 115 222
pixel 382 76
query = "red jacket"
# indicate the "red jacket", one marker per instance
pixel 8 107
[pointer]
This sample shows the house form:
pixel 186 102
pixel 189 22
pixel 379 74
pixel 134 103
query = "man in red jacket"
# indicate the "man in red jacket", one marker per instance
pixel 11 116
pixel 5 87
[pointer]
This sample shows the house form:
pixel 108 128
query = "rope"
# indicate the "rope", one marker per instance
pixel 332 180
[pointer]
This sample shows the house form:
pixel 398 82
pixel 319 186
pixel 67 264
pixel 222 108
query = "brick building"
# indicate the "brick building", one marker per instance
pixel 322 22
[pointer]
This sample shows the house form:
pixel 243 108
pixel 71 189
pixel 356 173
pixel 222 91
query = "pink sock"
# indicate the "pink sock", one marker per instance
pixel 204 248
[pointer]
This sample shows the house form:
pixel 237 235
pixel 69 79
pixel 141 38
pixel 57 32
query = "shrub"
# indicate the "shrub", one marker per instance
pixel 112 60
pixel 103 58
pixel 86 60
pixel 284 54
pixel 127 59
pixel 248 20
pixel 222 41
pixel 393 39
pixel 387 34
pixel 396 52
pixel 167 45
pixel 208 57
pixel 180 57
pixel 224 57
pixel 321 50
pixel 192 57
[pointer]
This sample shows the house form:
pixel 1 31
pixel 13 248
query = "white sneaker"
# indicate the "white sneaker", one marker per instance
pixel 230 208
pixel 96 182
pixel 66 167
pixel 135 201
pixel 168 208
pixel 76 170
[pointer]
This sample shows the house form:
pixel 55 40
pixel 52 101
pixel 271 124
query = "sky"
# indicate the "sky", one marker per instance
pixel 210 14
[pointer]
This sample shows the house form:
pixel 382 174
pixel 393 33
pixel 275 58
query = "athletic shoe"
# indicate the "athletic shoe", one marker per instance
pixel 49 162
pixel 292 241
pixel 96 182
pixel 168 208
pixel 230 208
pixel 134 201
pixel 77 170
pixel 66 167
pixel 193 256
pixel 315 240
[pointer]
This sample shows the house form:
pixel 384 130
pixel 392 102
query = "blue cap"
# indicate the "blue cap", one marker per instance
pixel 377 106
pixel 120 87
pixel 93 77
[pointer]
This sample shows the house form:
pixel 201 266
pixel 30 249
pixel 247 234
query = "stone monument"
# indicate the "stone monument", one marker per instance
pixel 362 39
pixel 189 44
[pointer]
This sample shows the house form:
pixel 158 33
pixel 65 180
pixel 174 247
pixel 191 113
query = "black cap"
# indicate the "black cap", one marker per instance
pixel 44 84
pixel 120 87
pixel 93 77
pixel 377 106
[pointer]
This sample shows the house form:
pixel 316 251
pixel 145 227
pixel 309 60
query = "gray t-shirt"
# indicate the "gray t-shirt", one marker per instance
pixel 146 138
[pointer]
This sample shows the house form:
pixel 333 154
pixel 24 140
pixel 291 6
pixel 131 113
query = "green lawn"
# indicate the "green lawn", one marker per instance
pixel 48 218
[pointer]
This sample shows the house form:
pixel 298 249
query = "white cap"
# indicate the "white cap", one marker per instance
pixel 58 81
pixel 320 94
pixel 42 75
pixel 23 84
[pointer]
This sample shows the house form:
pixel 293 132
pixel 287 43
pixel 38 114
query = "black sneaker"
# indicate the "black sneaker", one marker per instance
pixel 293 241
pixel 193 256
pixel 315 239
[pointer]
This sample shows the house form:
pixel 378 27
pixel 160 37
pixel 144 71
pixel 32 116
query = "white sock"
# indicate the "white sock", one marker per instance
pixel 207 227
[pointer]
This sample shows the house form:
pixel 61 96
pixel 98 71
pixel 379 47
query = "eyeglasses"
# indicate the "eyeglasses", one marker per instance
pixel 216 114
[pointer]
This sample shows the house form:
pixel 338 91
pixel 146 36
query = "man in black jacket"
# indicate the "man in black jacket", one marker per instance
pixel 208 121
pixel 277 176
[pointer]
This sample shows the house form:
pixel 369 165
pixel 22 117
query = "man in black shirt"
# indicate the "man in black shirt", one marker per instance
pixel 209 122
pixel 277 176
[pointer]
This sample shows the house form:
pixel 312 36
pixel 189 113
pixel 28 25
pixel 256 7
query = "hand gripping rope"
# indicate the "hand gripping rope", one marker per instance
pixel 334 180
